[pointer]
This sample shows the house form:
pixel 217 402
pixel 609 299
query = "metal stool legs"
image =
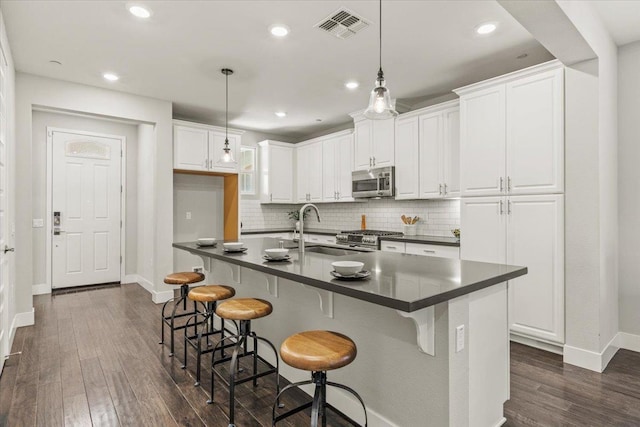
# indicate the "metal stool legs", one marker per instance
pixel 170 320
pixel 240 350
pixel 319 403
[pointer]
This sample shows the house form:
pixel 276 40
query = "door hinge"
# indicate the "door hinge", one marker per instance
pixel 120 259
pixel 120 223
pixel 121 188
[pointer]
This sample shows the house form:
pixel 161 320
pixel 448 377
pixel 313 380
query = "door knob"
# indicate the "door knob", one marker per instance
pixel 8 249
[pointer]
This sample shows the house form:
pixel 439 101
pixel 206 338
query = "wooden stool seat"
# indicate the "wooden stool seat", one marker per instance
pixel 244 309
pixel 211 293
pixel 318 350
pixel 183 278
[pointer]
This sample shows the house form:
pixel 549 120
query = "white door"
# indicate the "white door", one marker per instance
pixel 535 239
pixel 86 190
pixel 407 159
pixel 535 134
pixel 431 158
pixel 4 227
pixel 483 229
pixel 362 159
pixel 383 145
pixel 190 148
pixel 482 142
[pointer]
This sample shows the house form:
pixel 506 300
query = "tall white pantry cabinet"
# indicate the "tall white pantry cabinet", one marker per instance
pixel 512 188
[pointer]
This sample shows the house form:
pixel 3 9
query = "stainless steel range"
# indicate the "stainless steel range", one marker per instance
pixel 365 238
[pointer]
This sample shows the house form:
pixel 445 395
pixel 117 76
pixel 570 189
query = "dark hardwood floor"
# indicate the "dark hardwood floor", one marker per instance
pixel 93 359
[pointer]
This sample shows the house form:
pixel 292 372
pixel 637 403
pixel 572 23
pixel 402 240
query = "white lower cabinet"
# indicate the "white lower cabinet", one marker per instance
pixel 526 231
pixel 320 238
pixel 424 249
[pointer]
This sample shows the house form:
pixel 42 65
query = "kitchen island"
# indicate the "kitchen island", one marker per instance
pixel 411 370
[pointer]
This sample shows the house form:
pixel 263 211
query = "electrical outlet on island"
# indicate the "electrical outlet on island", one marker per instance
pixel 198 269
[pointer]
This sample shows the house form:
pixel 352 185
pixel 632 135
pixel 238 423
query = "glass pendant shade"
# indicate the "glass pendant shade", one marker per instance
pixel 380 106
pixel 227 154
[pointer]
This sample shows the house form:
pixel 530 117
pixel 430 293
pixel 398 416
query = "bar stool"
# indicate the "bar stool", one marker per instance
pixel 243 310
pixel 183 279
pixel 208 295
pixel 318 352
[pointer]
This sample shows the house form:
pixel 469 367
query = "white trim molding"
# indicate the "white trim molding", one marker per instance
pixel 156 297
pixel 590 359
pixel 41 289
pixel 628 341
pixel 26 318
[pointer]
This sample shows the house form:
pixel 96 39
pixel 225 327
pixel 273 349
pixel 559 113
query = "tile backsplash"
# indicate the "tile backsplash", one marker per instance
pixel 437 217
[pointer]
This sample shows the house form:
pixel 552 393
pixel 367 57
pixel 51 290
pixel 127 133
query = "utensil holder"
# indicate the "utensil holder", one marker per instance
pixel 409 229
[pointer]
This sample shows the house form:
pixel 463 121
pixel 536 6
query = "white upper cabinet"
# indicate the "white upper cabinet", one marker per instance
pixel 535 134
pixel 512 133
pixel 190 148
pixel 427 153
pixel 407 160
pixel 337 160
pixel 309 173
pixel 482 142
pixel 200 147
pixel 276 172
pixel 374 143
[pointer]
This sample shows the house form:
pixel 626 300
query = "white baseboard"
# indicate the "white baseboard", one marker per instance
pixel 41 289
pixel 591 360
pixel 26 318
pixel 129 278
pixel 628 341
pixel 501 422
pixel 156 297
pixel 542 345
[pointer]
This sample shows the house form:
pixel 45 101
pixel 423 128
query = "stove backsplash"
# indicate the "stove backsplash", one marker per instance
pixel 437 217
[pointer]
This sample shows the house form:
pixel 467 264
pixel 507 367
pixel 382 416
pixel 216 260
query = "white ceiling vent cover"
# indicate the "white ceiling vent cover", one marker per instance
pixel 342 23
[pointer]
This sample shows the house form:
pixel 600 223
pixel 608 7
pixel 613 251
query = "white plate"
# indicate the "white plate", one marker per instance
pixel 202 245
pixel 235 251
pixel 268 258
pixel 358 276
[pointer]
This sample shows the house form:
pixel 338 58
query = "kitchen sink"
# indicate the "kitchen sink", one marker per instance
pixel 332 251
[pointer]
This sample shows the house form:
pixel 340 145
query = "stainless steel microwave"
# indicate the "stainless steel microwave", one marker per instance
pixel 376 182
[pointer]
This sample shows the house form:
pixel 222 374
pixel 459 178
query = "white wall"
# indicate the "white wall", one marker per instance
pixel 55 94
pixel 628 179
pixel 146 213
pixel 41 120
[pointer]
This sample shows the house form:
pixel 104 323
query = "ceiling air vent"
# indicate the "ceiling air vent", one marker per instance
pixel 342 23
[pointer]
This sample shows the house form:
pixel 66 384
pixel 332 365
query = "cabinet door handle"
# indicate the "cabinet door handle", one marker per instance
pixel 501 209
pixel 391 247
pixel 509 207
pixel 271 197
pixel 440 189
pixel 509 184
pixel 445 189
pixel 370 161
pixel 374 160
pixel 205 164
pixel 338 195
pixel 427 251
pixel 501 184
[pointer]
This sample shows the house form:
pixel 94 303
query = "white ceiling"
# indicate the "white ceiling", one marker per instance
pixel 429 48
pixel 621 18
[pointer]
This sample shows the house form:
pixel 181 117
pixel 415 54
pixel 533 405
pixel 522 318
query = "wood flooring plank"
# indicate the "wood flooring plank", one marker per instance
pixel 49 409
pixel 76 410
pixel 101 406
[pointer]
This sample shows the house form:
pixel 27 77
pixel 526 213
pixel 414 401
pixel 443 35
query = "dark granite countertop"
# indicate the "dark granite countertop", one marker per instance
pixel 433 240
pixel 399 281
pixel 289 230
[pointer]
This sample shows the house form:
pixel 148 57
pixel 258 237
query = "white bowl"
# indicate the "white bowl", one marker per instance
pixel 276 253
pixel 233 245
pixel 207 241
pixel 347 268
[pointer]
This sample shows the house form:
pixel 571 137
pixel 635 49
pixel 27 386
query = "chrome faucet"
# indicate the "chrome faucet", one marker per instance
pixel 301 216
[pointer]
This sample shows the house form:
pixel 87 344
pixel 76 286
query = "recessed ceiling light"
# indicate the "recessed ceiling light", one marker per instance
pixel 486 28
pixel 352 85
pixel 279 30
pixel 111 77
pixel 281 114
pixel 139 11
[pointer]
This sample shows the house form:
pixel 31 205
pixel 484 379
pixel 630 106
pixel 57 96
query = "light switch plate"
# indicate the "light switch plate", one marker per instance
pixel 459 338
pixel 38 223
pixel 188 215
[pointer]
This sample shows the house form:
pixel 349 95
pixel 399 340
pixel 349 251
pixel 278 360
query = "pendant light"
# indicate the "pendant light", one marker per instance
pixel 227 155
pixel 380 106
